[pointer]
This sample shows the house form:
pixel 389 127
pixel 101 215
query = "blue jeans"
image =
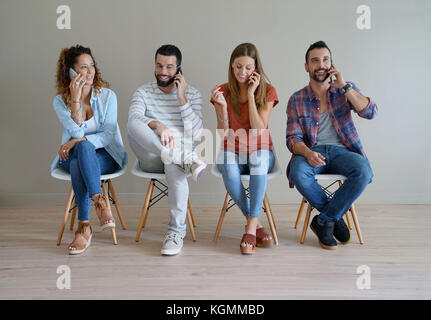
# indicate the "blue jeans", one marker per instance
pixel 339 160
pixel 85 165
pixel 257 164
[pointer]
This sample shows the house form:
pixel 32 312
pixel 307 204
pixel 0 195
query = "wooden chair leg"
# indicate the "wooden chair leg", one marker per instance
pixel 153 182
pixel 189 207
pixel 270 220
pixel 117 206
pixel 270 211
pixel 349 224
pixel 355 220
pixel 65 216
pixel 108 204
pixel 222 214
pixel 144 211
pixel 307 220
pixel 72 220
pixel 301 208
pixel 190 223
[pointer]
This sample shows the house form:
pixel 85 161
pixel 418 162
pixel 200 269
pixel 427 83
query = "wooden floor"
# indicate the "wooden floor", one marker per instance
pixel 397 251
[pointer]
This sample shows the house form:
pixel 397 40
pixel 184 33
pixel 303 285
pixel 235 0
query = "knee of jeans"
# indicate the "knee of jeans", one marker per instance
pixel 300 174
pixel 84 146
pixel 260 169
pixel 228 170
pixel 363 174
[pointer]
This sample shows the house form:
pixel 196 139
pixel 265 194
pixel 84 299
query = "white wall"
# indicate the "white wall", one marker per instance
pixel 390 63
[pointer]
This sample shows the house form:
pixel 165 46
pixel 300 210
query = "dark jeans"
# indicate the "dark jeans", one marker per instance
pixel 85 165
pixel 339 160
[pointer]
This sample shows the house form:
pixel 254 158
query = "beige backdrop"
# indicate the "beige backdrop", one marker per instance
pixel 390 62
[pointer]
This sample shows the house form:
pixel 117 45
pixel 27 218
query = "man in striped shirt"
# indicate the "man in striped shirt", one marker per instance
pixel 323 139
pixel 165 118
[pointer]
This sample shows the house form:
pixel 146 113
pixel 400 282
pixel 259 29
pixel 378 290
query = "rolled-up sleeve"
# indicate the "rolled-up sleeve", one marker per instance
pixel 370 111
pixel 105 133
pixel 63 114
pixel 294 132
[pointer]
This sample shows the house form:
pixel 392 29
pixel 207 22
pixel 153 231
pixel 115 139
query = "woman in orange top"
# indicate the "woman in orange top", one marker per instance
pixel 243 106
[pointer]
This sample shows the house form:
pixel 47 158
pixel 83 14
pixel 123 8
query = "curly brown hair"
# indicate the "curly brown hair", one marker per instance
pixel 66 60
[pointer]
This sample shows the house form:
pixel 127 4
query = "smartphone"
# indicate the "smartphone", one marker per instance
pixel 179 71
pixel 72 73
pixel 333 78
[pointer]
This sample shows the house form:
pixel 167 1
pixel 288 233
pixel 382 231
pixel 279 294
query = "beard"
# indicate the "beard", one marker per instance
pixel 164 84
pixel 319 78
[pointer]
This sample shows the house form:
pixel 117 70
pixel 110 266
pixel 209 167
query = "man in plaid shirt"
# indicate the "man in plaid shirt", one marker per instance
pixel 323 139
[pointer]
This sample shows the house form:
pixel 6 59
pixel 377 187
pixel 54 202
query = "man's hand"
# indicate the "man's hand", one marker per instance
pixel 166 137
pixel 181 88
pixel 315 159
pixel 339 83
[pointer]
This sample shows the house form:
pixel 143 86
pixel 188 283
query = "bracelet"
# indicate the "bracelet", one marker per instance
pixel 224 121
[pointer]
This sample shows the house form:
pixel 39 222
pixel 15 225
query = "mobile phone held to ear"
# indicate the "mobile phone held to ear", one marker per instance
pixel 333 78
pixel 72 73
pixel 179 71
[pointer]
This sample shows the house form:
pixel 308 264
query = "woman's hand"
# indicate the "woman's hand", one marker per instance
pixel 253 82
pixel 75 87
pixel 218 97
pixel 63 153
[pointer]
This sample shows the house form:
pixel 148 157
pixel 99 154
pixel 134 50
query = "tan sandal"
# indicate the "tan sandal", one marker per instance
pixel 82 240
pixel 104 213
pixel 248 238
pixel 260 241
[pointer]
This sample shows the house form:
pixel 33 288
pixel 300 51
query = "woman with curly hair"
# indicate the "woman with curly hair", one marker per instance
pixel 243 106
pixel 91 143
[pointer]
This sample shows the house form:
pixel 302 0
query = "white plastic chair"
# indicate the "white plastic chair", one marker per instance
pixel 108 192
pixel 229 203
pixel 155 182
pixel 333 179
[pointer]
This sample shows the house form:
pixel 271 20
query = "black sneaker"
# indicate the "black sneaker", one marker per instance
pixel 324 233
pixel 341 231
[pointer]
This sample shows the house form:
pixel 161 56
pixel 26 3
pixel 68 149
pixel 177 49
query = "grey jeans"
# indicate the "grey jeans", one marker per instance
pixel 148 148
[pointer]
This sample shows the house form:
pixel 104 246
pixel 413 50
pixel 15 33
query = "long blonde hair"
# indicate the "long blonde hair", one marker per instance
pixel 232 91
pixel 66 60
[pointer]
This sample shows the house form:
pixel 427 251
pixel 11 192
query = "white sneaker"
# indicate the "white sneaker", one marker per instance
pixel 172 244
pixel 195 166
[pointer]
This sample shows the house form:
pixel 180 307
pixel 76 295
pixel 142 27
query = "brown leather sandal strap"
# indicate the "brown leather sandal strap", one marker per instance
pixel 249 238
pixel 79 242
pixel 261 233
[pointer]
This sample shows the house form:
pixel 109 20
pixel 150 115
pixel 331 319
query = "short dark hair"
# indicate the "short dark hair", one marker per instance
pixel 169 50
pixel 317 45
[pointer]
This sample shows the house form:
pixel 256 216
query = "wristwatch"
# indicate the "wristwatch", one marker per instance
pixel 346 88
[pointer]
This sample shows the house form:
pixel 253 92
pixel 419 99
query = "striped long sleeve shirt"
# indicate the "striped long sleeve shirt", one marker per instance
pixel 149 103
pixel 303 119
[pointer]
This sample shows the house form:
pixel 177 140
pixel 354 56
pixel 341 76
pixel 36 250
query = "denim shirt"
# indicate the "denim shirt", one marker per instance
pixel 108 133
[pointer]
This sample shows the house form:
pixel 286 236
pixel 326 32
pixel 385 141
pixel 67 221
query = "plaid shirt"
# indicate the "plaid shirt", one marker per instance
pixel 303 119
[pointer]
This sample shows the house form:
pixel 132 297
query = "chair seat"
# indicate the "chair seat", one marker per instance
pixel 62 174
pixel 137 171
pixel 330 177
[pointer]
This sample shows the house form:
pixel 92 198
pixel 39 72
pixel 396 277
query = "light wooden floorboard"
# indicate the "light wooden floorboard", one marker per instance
pixel 397 250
